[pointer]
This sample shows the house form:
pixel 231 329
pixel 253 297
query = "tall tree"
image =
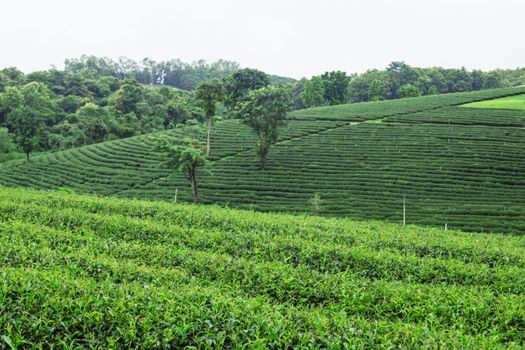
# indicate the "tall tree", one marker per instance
pixel 433 90
pixel 408 90
pixel 264 110
pixel 313 94
pixel 6 141
pixel 209 93
pixel 376 90
pixel 95 121
pixel 129 98
pixel 241 82
pixel 335 87
pixel 400 74
pixel 296 91
pixel 186 157
pixel 28 109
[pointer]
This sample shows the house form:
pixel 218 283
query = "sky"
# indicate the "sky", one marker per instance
pixel 294 38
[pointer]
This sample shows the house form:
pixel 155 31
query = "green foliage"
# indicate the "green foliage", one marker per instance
pixel 28 110
pixel 313 94
pixel 93 272
pixel 208 94
pixel 10 77
pixel 186 156
pixel 509 102
pixel 296 92
pixel 456 165
pixel 239 84
pixel 429 81
pixel 408 90
pixel 264 110
pixel 331 88
pixel 377 90
pixel 335 86
pixel 315 204
pixel 124 107
pixel 129 98
pixel 6 141
pixel 96 122
pixel 433 90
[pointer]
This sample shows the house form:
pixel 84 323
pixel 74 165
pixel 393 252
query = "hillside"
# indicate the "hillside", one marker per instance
pixel 463 167
pixel 93 272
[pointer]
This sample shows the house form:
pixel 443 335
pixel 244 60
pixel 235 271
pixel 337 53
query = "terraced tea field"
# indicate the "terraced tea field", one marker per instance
pixel 458 166
pixel 88 272
pixel 510 102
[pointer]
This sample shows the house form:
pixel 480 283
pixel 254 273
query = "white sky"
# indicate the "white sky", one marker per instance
pixel 287 37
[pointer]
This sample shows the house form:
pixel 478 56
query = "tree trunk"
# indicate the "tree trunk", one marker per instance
pixel 27 156
pixel 209 136
pixel 193 180
pixel 263 158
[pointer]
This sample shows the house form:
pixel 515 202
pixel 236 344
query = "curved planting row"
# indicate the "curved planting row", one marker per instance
pixel 97 272
pixel 456 166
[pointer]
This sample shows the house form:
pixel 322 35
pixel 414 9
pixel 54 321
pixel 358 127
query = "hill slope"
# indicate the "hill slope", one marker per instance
pixel 108 273
pixel 461 166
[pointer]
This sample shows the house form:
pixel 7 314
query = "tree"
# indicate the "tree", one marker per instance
pixel 29 108
pixel 128 99
pixel 400 74
pixel 376 90
pixel 313 94
pixel 6 141
pixel 238 85
pixel 408 90
pixel 433 90
pixel 10 77
pixel 95 122
pixel 335 86
pixel 186 157
pixel 208 94
pixel 176 113
pixel 264 110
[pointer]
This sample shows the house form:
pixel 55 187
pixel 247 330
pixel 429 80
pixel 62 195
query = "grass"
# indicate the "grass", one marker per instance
pixel 88 272
pixel 457 166
pixel 509 102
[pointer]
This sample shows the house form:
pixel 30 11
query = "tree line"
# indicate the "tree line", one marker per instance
pixel 174 73
pixel 398 80
pixel 56 110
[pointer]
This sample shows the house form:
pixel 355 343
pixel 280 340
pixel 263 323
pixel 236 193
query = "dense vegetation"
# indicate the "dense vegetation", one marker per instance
pixel 66 110
pixel 457 166
pixel 97 99
pixel 85 272
pixel 86 104
pixel 400 80
pixel 174 73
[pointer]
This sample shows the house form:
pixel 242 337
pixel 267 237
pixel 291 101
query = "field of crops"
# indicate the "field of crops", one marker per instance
pixel 456 166
pixel 511 102
pixel 80 271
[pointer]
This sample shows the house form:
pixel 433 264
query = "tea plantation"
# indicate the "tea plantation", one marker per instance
pixel 456 166
pixel 509 102
pixel 89 272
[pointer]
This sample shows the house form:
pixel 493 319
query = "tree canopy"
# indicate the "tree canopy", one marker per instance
pixel 28 109
pixel 185 156
pixel 208 94
pixel 239 84
pixel 264 110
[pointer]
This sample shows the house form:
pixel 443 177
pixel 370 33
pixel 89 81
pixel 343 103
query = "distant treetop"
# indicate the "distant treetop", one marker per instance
pixel 174 72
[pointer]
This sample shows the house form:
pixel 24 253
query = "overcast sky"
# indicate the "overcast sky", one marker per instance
pixel 293 38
